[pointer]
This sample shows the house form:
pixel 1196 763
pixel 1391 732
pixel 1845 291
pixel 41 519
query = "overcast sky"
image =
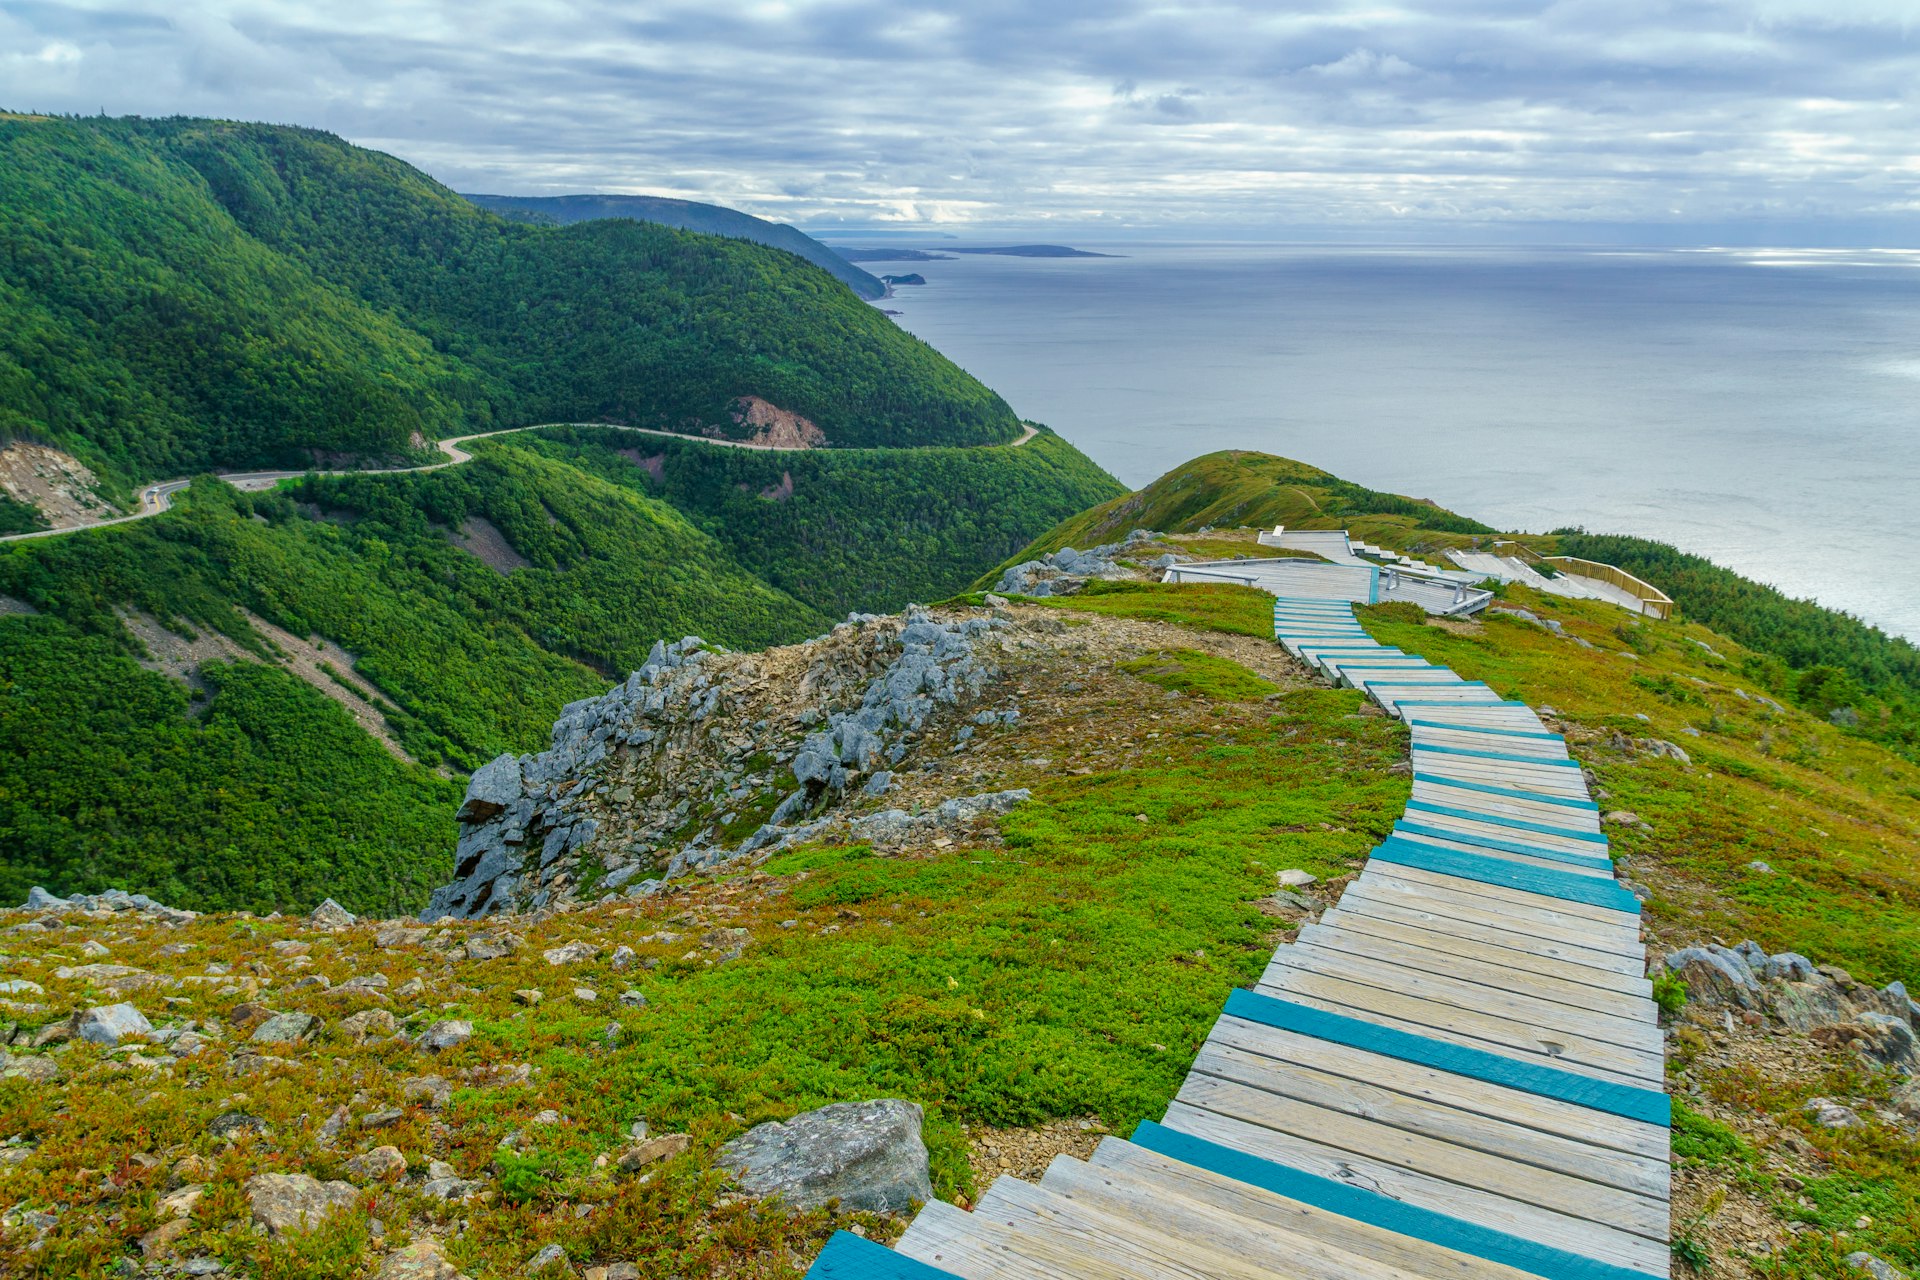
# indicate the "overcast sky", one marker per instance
pixel 1801 116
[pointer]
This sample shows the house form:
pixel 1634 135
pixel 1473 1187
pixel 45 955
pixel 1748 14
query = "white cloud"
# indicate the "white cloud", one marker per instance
pixel 1213 112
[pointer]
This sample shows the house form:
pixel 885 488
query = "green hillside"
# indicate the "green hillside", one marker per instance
pixel 1823 660
pixel 687 215
pixel 262 792
pixel 183 294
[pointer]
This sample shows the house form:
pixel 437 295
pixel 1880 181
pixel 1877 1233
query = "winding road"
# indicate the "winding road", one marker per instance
pixel 158 497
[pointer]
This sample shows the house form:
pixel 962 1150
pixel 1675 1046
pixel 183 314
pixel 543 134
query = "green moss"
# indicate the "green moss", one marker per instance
pixel 1197 672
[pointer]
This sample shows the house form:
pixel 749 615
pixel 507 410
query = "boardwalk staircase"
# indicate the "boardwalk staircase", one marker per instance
pixel 1454 1074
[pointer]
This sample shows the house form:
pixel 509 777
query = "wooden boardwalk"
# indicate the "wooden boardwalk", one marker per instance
pixel 1455 1073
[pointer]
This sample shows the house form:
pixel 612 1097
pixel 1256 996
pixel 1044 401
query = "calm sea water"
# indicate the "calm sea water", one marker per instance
pixel 1760 408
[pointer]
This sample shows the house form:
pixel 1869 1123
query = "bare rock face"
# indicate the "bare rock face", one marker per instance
pixel 285 1202
pixel 868 1156
pixel 1823 1002
pixel 696 739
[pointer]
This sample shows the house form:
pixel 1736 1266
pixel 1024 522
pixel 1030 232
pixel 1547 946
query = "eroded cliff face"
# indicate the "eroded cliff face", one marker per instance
pixel 703 757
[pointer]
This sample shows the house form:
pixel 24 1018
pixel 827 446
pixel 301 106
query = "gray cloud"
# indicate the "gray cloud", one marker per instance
pixel 1123 113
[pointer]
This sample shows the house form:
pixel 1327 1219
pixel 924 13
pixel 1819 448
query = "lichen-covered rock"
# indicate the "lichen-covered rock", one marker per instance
pixel 287 1202
pixel 868 1156
pixel 448 1033
pixel 284 1028
pixel 1716 975
pixel 421 1260
pixel 1874 1268
pixel 378 1164
pixel 330 915
pixel 111 1024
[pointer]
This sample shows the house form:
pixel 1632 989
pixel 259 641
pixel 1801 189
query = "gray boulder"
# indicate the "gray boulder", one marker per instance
pixel 1877 1268
pixel 39 899
pixel 447 1034
pixel 1715 975
pixel 330 915
pixel 868 1156
pixel 284 1028
pixel 494 787
pixel 110 1024
pixel 287 1202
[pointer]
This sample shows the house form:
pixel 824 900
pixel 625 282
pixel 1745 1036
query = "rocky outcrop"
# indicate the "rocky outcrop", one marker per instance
pixel 1066 571
pixel 653 780
pixel 867 1156
pixel 1823 1002
pixel 113 900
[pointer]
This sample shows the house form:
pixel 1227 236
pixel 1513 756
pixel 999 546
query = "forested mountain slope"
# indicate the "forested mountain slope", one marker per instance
pixel 183 294
pixel 256 699
pixel 687 215
pixel 474 600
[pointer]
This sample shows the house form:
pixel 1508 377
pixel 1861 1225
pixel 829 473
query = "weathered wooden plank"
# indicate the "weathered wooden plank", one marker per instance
pixel 1487 917
pixel 1517 1004
pixel 1634 1100
pixel 1474 1029
pixel 1476 969
pixel 1642 1145
pixel 1595 857
pixel 1151 1198
pixel 1600 921
pixel 1559 885
pixel 1469 1204
pixel 1580 842
pixel 1569 964
pixel 1527 1182
pixel 1043 1224
pixel 1398 1250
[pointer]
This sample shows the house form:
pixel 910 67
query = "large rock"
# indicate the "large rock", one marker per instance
pixel 494 787
pixel 448 1033
pixel 286 1202
pixel 420 1260
pixel 1716 975
pixel 1875 1268
pixel 110 1024
pixel 330 915
pixel 867 1155
pixel 284 1028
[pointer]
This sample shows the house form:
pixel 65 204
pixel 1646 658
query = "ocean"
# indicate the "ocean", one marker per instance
pixel 1758 407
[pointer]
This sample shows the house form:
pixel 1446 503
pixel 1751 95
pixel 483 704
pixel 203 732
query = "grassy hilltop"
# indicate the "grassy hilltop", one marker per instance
pixel 1035 982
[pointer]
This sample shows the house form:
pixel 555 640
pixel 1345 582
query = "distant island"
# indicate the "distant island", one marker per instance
pixel 891 255
pixel 1038 251
pixel 913 277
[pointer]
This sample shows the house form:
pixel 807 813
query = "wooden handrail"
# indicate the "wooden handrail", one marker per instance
pixel 1654 602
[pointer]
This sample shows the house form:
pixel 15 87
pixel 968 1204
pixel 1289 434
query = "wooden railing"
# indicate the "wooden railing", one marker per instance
pixel 1654 602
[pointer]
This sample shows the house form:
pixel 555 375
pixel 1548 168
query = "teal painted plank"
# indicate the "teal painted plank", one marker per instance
pixel 1564 885
pixel 1467 728
pixel 1518 824
pixel 1509 846
pixel 1487 788
pixel 849 1257
pixel 1649 1106
pixel 1472 706
pixel 1495 755
pixel 1372 1207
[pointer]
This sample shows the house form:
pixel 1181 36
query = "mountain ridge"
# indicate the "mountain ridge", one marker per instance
pixel 688 215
